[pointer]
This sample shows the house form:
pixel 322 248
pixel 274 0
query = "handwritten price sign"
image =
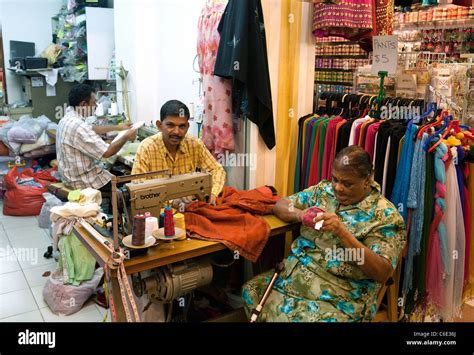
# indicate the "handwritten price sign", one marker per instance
pixel 385 56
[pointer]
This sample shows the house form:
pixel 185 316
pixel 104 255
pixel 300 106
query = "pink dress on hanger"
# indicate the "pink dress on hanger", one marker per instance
pixel 217 133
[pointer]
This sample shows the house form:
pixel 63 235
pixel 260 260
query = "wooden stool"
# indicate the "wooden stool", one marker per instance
pixel 390 314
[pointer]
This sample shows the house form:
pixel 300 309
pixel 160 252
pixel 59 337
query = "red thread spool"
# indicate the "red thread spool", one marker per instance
pixel 169 224
pixel 138 231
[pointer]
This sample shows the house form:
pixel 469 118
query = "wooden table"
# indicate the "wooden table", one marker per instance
pixel 169 253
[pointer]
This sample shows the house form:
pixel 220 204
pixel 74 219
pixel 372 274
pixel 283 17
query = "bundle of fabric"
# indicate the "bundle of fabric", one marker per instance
pixel 232 221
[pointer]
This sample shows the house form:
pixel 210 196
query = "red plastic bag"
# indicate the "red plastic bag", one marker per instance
pixel 22 200
pixel 44 177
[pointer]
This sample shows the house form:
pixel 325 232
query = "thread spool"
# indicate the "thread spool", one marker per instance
pixel 169 225
pixel 179 222
pixel 138 230
pixel 151 225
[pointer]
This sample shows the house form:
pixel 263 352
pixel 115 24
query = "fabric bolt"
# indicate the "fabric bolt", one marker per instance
pixel 242 57
pixel 316 285
pixel 350 19
pixel 79 150
pixel 152 155
pixel 384 13
pixel 234 221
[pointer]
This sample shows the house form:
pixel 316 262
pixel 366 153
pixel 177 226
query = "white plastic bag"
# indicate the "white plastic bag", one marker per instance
pixel 28 130
pixel 67 299
pixel 44 220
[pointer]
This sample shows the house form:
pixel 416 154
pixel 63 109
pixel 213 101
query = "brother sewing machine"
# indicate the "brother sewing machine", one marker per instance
pixel 140 195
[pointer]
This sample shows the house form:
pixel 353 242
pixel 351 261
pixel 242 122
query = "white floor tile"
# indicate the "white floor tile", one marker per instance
pixel 15 303
pixel 38 295
pixel 12 281
pixel 30 251
pixel 26 233
pixel 29 317
pixel 89 313
pixel 8 260
pixel 10 222
pixel 34 276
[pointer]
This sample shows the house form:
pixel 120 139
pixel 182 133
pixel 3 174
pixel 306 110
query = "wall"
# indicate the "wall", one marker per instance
pixel 264 174
pixel 29 21
pixel 156 41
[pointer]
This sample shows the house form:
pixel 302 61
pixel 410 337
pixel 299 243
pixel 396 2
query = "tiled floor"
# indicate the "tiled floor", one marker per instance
pixel 21 270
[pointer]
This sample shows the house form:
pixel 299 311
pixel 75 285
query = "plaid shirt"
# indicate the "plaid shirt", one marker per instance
pixel 152 155
pixel 79 150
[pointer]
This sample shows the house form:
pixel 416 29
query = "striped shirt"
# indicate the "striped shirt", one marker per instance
pixel 79 150
pixel 152 155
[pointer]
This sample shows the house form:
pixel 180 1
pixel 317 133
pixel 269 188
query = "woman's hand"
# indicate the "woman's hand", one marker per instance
pixel 332 224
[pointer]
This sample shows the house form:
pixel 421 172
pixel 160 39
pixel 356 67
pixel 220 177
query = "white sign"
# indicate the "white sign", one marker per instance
pixel 37 81
pixel 385 56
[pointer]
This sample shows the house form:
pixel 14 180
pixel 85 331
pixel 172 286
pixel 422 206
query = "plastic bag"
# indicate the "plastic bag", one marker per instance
pixel 27 129
pixel 44 220
pixel 42 141
pixel 13 147
pixel 51 52
pixel 21 200
pixel 67 299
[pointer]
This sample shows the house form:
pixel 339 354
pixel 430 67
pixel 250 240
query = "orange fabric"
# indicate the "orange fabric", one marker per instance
pixel 232 221
pixel 363 131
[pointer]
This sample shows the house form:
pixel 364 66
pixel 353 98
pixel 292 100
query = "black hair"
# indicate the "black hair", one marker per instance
pixel 356 159
pixel 79 93
pixel 174 108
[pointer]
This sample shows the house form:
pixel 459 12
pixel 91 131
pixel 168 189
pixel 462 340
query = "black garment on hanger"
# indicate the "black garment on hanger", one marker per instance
pixel 242 57
pixel 395 130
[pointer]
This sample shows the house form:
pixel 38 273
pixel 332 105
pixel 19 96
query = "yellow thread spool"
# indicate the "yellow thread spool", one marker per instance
pixel 178 220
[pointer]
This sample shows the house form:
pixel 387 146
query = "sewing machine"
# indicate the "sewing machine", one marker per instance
pixel 151 195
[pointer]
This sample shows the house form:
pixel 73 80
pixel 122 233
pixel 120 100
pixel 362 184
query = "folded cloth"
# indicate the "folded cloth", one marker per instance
pixel 74 209
pixel 89 195
pixel 232 221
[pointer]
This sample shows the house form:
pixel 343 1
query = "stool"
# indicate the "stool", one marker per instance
pixel 390 288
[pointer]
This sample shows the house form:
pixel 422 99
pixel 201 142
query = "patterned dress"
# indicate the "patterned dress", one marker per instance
pixel 319 283
pixel 218 133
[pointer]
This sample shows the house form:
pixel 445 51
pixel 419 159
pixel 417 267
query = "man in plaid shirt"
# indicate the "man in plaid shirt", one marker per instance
pixel 79 147
pixel 172 149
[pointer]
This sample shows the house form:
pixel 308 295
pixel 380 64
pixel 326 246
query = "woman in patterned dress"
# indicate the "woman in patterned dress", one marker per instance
pixel 334 274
